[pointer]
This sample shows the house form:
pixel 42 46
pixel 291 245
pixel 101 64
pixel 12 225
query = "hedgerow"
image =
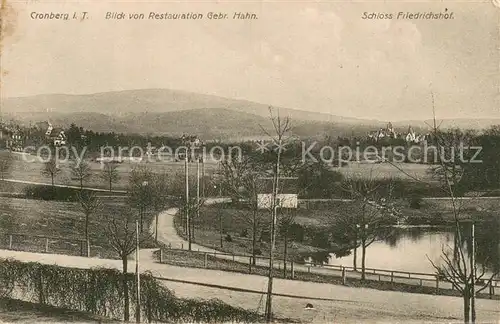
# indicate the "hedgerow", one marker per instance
pixel 101 291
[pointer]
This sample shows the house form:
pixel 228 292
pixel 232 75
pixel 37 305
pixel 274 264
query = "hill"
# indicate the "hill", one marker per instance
pixel 174 112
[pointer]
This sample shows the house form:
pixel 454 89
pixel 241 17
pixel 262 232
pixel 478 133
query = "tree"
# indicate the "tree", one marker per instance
pixel 5 164
pixel 121 232
pixel 51 169
pixel 366 217
pixel 241 180
pixel 90 204
pixel 140 191
pixel 81 171
pixel 159 197
pixel 281 127
pixel 286 221
pixel 110 174
pixel 459 269
pixel 316 180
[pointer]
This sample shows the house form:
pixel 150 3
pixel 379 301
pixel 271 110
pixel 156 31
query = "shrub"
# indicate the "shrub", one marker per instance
pixel 415 202
pixel 244 233
pixel 101 292
pixel 51 193
pixel 228 238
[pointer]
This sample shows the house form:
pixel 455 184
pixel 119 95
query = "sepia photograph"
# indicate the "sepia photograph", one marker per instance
pixel 218 161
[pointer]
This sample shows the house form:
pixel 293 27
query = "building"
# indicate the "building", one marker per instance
pixel 287 193
pixel 55 136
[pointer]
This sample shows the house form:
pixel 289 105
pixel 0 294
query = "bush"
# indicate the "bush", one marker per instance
pixel 51 193
pixel 296 232
pixel 101 292
pixel 244 233
pixel 415 202
pixel 228 238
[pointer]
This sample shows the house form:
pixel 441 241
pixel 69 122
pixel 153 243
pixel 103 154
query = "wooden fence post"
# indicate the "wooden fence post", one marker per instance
pixel 233 256
pixel 182 246
pixel 309 268
pixel 491 290
pixel 437 285
pixel 161 255
pixel 392 276
pixel 249 264
pixel 46 245
pixel 205 260
pixel 343 276
pixel 292 270
pixel 10 242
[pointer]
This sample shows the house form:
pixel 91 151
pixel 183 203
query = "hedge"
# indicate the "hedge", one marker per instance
pixel 46 192
pixel 101 291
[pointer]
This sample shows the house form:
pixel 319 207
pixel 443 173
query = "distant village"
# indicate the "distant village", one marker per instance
pixel 17 138
pixel 390 133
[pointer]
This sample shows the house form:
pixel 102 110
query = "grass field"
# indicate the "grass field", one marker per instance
pixel 386 170
pixel 31 171
pixel 53 219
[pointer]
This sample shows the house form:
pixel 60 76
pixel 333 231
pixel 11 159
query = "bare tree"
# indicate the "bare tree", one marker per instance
pixel 51 169
pixel 110 174
pixel 449 168
pixel 281 127
pixel 459 269
pixel 241 179
pixel 159 197
pixel 5 164
pixel 81 171
pixel 90 204
pixel 368 214
pixel 286 220
pixel 121 232
pixel 140 191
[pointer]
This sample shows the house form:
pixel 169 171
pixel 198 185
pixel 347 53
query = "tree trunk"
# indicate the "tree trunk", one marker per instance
pixel 110 183
pixel 466 304
pixel 156 228
pixel 87 240
pixel 126 307
pixel 52 178
pixel 363 258
pixel 355 258
pixel 81 183
pixel 285 254
pixel 254 237
pixel 220 230
pixel 355 254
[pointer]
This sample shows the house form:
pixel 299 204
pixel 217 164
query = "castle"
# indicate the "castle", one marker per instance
pixel 389 132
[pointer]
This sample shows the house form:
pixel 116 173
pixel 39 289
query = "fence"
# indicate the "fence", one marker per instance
pixel 427 282
pixel 45 244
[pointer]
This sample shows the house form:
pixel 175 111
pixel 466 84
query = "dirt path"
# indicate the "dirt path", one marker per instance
pixel 345 304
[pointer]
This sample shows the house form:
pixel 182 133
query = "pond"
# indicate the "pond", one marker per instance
pixel 410 248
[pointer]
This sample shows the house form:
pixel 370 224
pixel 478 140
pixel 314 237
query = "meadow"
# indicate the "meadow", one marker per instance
pixel 32 171
pixel 63 222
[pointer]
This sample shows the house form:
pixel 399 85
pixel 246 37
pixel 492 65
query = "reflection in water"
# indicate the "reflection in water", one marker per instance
pixel 408 249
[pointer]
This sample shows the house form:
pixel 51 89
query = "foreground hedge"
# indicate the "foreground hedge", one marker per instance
pixel 100 291
pixel 46 192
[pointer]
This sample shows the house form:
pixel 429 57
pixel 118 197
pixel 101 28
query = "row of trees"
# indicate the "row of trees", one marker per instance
pixel 81 171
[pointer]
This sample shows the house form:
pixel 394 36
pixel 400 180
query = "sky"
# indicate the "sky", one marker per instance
pixel 308 55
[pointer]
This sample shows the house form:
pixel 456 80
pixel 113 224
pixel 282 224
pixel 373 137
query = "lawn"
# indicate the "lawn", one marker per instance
pixel 387 170
pixel 63 222
pixel 237 230
pixel 31 171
